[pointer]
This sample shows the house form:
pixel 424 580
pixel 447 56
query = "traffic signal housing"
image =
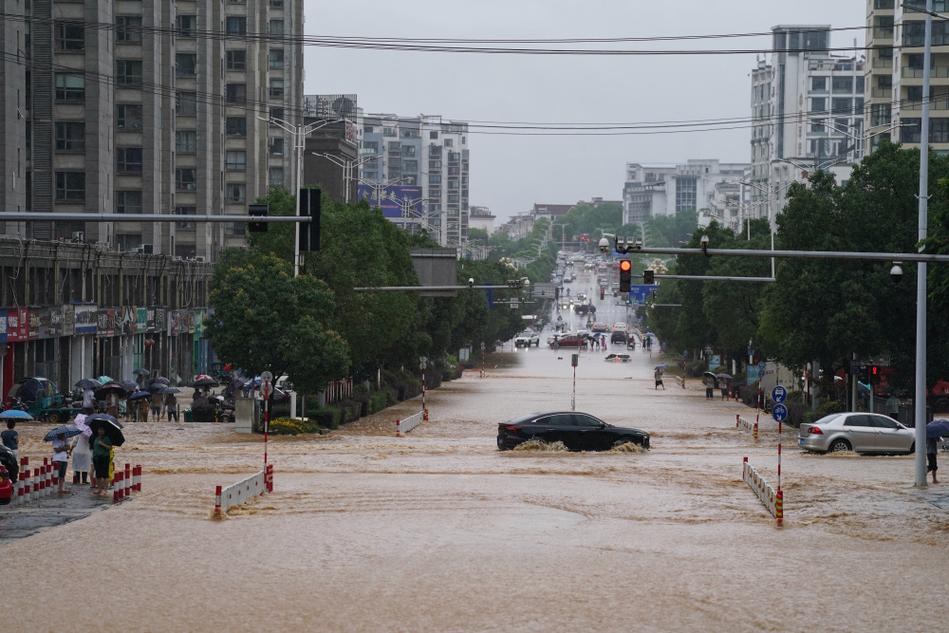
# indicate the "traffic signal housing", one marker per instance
pixel 310 205
pixel 649 277
pixel 873 373
pixel 258 210
pixel 625 274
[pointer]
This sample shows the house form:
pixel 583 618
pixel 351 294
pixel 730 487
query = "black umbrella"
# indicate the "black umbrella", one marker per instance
pixel 203 380
pixel 88 383
pixel 129 385
pixel 138 395
pixel 141 372
pixel 112 387
pixel 113 429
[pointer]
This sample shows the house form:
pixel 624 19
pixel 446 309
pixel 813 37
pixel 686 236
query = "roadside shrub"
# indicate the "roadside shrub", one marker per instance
pixel 378 401
pixel 293 426
pixel 825 408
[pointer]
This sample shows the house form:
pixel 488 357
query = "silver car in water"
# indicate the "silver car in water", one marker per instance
pixel 858 432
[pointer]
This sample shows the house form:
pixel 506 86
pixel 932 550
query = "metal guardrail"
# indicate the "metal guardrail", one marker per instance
pixel 247 488
pixel 772 500
pixel 405 425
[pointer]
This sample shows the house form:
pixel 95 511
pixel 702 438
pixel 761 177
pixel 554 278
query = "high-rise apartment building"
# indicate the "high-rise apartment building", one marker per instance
pixel 807 114
pixel 146 106
pixel 426 152
pixel 708 187
pixel 895 73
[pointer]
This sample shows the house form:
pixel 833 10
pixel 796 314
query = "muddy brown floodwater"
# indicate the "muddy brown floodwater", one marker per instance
pixel 440 532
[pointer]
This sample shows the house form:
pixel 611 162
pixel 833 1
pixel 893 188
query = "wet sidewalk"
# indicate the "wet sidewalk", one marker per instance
pixel 19 521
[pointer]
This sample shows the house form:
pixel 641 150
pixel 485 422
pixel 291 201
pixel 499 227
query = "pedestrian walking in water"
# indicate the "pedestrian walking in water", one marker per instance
pixel 171 406
pixel 658 376
pixel 709 388
pixel 81 451
pixel 932 448
pixel 156 407
pixel 101 450
pixel 11 439
pixel 724 389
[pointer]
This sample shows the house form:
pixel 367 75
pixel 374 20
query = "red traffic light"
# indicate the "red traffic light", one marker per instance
pixel 625 265
pixel 875 370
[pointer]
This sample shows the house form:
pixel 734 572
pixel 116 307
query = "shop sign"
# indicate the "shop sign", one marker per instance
pixel 105 325
pixel 18 324
pixel 87 319
pixel 69 321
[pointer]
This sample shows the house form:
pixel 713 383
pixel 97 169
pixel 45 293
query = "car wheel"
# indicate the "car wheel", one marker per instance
pixel 839 446
pixel 912 448
pixel 53 418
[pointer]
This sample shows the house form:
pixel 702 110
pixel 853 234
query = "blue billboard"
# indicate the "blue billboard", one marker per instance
pixel 393 199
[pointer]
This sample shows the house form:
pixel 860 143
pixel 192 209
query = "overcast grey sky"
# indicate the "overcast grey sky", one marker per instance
pixel 510 173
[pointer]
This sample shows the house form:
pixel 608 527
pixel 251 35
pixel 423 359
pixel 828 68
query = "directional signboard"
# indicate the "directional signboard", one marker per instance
pixel 779 394
pixel 779 412
pixel 639 293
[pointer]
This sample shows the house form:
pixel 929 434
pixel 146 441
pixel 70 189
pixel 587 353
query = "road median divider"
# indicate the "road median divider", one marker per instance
pixel 773 500
pixel 226 497
pixel 746 424
pixel 404 425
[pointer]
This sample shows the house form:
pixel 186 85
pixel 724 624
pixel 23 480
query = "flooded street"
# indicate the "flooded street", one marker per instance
pixel 438 531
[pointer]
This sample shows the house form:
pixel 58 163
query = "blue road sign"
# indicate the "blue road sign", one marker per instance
pixel 779 394
pixel 639 293
pixel 779 412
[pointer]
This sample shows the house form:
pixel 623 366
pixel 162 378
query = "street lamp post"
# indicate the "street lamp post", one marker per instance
pixel 919 398
pixel 348 167
pixel 299 134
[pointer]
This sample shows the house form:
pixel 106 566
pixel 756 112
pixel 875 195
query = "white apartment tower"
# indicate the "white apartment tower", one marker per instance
pixel 807 114
pixel 895 73
pixel 426 151
pixel 146 106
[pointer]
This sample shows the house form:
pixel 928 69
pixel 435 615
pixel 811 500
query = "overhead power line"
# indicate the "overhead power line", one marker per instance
pixel 453 45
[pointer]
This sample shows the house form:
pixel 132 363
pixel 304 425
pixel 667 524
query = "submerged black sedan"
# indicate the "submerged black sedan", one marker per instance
pixel 578 431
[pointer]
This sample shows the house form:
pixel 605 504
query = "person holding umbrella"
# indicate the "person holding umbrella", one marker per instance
pixel 81 451
pixel 61 450
pixel 101 452
pixel 934 432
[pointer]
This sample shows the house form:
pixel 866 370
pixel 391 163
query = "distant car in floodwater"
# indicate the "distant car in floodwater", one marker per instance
pixel 858 432
pixel 578 432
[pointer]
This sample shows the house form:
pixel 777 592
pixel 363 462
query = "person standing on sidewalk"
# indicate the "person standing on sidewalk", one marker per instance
pixel 101 451
pixel 81 451
pixel 61 460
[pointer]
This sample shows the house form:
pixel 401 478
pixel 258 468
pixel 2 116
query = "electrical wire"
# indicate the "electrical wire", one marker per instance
pixel 452 45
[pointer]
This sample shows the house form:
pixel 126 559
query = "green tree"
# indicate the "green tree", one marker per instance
pixel 278 238
pixel 264 319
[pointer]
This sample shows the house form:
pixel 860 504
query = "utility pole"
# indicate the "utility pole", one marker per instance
pixel 919 398
pixel 299 134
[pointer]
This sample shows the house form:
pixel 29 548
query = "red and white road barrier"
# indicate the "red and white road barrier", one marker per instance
pixel 42 481
pixel 744 424
pixel 125 482
pixel 405 425
pixel 772 499
pixel 248 488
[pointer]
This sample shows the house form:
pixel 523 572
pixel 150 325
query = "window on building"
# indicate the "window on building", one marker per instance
pixel 236 126
pixel 236 25
pixel 186 64
pixel 128 116
pixel 859 88
pixel 70 136
pixel 236 94
pixel 818 104
pixel 128 29
pixel 841 105
pixel 186 141
pixel 185 210
pixel 128 201
pixel 818 84
pixel 235 160
pixel 433 135
pixel 817 127
pixel 276 176
pixel 187 25
pixel 235 192
pixel 276 88
pixel 186 103
pixel 939 131
pixel 276 58
pixel 277 113
pixel 686 194
pixel 70 186
pixel 276 4
pixel 885 82
pixel 236 60
pixel 276 27
pixel 70 36
pixel 842 84
pixel 70 87
pixel 128 72
pixel 185 179
pixel 277 146
pixel 128 160
pixel 858 105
